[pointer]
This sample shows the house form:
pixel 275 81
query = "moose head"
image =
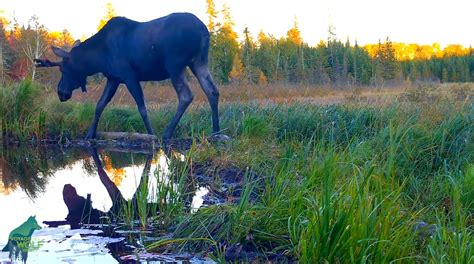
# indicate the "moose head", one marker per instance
pixel 72 77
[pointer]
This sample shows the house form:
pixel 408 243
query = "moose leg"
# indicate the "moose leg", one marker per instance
pixel 185 97
pixel 109 92
pixel 136 91
pixel 112 190
pixel 207 84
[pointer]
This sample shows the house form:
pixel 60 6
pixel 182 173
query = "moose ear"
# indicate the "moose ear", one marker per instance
pixel 60 52
pixel 76 43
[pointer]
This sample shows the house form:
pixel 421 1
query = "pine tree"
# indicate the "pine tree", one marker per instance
pixel 248 50
pixel 388 60
pixel 7 55
pixel 266 55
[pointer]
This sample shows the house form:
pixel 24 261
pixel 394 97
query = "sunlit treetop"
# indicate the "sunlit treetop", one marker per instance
pixel 294 34
pixel 116 175
pixel 413 51
pixel 3 19
pixel 109 13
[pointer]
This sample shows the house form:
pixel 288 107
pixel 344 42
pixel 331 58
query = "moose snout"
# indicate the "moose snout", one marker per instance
pixel 64 96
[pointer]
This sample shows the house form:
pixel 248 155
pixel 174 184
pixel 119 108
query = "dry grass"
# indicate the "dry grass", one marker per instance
pixel 159 94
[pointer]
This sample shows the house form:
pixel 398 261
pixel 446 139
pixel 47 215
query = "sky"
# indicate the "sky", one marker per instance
pixel 367 21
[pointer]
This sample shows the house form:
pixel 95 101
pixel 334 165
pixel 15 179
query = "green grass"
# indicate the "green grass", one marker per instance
pixel 332 184
pixel 21 114
pixel 344 184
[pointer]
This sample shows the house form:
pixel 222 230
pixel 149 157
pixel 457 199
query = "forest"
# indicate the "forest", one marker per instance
pixel 265 59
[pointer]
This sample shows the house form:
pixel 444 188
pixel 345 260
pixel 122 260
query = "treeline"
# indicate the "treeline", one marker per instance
pixel 266 59
pixel 19 45
pixel 289 59
pixel 333 62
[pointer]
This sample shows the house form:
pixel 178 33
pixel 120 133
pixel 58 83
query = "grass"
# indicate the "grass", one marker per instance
pixel 352 198
pixel 20 111
pixel 342 183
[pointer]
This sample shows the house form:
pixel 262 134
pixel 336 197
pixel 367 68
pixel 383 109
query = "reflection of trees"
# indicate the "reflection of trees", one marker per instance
pixel 30 167
pixel 116 175
pixel 124 158
pixel 115 162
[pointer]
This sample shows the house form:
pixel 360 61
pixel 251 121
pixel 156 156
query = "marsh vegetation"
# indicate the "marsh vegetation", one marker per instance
pixel 363 180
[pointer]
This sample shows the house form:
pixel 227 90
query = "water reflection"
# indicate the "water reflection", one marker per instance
pixel 73 187
pixel 30 168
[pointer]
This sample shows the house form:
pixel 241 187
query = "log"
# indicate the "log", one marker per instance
pixel 126 136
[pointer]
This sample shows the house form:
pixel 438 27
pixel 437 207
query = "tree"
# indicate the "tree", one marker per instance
pixel 66 39
pixel 236 75
pixel 224 46
pixel 109 13
pixel 3 43
pixel 34 43
pixel 211 15
pixel 248 55
pixel 6 52
pixel 294 34
pixel 262 80
pixel 266 55
pixel 388 60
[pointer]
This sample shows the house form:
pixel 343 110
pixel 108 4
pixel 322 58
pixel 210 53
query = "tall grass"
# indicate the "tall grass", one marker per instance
pixel 330 184
pixel 21 113
pixel 345 184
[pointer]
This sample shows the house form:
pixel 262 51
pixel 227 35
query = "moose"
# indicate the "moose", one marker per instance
pixel 127 52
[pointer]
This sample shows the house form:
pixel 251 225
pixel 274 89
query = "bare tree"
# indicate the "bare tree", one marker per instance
pixel 35 48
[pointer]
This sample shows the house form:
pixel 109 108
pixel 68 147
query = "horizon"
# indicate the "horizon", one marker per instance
pixel 346 18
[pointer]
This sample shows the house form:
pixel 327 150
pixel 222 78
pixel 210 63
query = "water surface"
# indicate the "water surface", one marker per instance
pixel 37 181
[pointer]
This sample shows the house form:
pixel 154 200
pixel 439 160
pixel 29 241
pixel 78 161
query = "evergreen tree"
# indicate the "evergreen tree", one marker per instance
pixel 266 56
pixel 248 57
pixel 6 53
pixel 388 60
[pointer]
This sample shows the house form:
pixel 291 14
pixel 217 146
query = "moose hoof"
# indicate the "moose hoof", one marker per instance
pixel 219 138
pixel 165 141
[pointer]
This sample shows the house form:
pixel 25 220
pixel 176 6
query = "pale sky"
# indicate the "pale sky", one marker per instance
pixel 411 21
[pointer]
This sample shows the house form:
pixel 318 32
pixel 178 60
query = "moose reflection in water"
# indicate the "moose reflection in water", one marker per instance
pixel 42 180
pixel 80 210
pixel 61 185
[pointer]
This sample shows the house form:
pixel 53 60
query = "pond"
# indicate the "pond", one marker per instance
pixel 88 205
